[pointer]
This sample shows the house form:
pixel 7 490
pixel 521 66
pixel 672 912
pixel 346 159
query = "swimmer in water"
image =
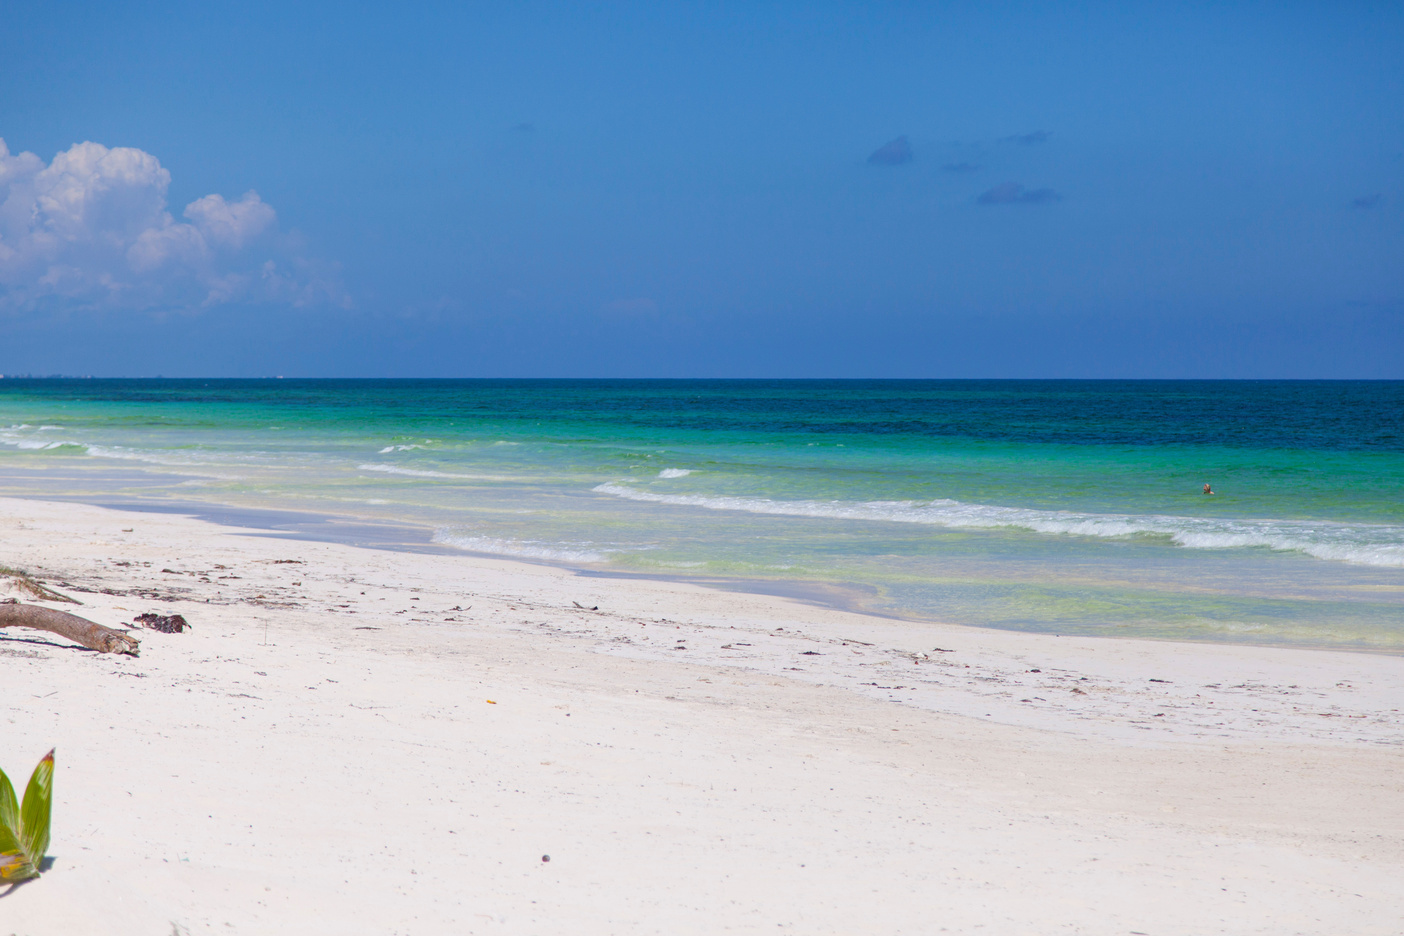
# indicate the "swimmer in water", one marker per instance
pixel 1208 489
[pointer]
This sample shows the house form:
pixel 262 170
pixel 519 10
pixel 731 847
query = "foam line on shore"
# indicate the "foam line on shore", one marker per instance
pixel 1364 544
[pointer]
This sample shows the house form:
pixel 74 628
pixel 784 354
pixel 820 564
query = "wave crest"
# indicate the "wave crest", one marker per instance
pixel 527 549
pixel 1365 544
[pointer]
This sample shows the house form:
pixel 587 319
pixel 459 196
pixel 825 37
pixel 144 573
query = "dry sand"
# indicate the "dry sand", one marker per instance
pixel 320 755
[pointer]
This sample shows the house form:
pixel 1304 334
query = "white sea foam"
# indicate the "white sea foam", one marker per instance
pixel 35 444
pixel 527 549
pixel 9 436
pixel 186 461
pixel 413 472
pixel 1366 544
pixel 675 472
pixel 19 436
pixel 426 473
pixel 398 448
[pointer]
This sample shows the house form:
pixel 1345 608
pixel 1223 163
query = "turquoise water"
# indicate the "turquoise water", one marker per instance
pixel 1064 506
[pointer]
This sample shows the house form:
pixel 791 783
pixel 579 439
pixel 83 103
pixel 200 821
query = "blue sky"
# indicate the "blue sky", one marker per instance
pixel 866 190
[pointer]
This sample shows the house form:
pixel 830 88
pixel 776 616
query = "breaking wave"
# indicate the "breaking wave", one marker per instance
pixel 412 472
pixel 527 549
pixel 1365 544
pixel 19 436
pixel 426 473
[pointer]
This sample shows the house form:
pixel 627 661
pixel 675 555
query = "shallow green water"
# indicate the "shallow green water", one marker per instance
pixel 1045 505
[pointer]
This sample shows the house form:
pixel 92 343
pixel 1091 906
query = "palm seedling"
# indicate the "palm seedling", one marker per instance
pixel 24 830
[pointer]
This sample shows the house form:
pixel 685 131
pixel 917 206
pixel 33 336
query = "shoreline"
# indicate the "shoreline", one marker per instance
pixel 321 526
pixel 693 759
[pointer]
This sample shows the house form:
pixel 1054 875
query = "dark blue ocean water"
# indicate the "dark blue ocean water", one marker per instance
pixel 1073 506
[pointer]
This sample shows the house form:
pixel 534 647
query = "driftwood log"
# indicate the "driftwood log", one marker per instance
pixel 79 630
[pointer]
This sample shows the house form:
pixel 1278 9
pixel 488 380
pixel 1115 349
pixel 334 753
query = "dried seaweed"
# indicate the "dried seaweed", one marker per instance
pixel 165 623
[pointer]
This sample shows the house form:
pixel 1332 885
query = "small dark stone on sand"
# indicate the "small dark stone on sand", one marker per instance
pixel 545 858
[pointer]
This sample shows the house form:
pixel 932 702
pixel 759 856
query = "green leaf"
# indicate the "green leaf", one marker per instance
pixel 9 806
pixel 14 863
pixel 34 814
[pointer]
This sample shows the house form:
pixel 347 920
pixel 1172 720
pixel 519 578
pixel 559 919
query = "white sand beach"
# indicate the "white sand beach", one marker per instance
pixel 367 741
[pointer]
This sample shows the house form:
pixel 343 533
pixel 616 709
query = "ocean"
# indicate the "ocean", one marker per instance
pixel 1059 506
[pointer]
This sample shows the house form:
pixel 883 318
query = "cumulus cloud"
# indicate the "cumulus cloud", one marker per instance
pixel 1027 139
pixel 893 153
pixel 1012 193
pixel 91 229
pixel 1365 202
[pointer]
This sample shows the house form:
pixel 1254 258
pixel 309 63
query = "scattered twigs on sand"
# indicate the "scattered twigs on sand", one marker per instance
pixel 79 630
pixel 25 584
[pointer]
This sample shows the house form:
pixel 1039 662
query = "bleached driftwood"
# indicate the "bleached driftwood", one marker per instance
pixel 79 630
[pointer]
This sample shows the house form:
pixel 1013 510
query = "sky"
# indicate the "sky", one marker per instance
pixel 1154 190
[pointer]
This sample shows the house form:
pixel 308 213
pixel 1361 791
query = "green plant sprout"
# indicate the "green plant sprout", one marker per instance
pixel 24 830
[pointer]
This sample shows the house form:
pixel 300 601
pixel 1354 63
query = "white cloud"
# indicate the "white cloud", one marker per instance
pixel 91 229
pixel 231 223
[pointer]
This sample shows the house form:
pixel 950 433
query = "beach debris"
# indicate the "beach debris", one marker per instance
pixel 165 623
pixel 490 702
pixel 25 585
pixel 79 630
pixel 811 653
pixel 583 608
pixel 24 829
pixel 287 562
pixel 942 650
